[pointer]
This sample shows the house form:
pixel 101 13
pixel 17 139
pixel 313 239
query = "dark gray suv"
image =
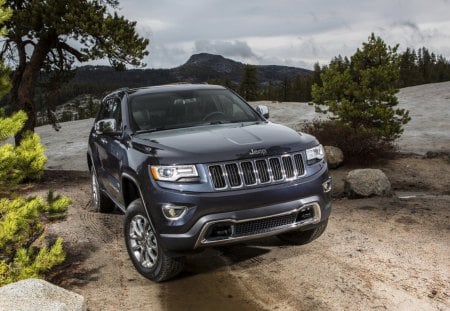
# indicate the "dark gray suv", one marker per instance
pixel 193 166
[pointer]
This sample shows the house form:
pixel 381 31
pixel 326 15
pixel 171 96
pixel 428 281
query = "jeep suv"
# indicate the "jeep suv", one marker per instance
pixel 194 166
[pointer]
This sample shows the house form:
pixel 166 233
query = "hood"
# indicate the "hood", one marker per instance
pixel 217 143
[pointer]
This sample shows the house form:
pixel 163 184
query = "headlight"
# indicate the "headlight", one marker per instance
pixel 173 172
pixel 314 154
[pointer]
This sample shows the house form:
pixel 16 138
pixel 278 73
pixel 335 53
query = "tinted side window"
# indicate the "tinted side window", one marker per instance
pixel 111 110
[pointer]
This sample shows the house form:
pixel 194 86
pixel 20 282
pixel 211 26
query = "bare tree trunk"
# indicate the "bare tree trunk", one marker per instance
pixel 23 87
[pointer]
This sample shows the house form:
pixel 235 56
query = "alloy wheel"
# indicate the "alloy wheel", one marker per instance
pixel 144 246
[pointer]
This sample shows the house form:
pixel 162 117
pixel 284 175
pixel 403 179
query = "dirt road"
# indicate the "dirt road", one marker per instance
pixel 377 253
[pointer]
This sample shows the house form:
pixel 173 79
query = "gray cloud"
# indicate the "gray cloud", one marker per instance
pixel 234 48
pixel 286 31
pixel 410 25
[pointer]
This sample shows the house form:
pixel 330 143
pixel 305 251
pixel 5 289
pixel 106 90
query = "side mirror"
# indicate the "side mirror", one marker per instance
pixel 263 111
pixel 106 126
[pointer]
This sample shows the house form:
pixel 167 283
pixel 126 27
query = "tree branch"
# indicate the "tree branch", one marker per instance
pixel 79 56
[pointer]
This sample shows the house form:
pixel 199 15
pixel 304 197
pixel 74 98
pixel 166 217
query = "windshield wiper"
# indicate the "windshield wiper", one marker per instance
pixel 247 122
pixel 155 129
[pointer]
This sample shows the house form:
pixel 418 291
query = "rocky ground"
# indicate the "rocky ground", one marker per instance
pixel 377 253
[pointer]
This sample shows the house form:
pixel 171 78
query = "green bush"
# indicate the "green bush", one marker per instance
pixel 22 220
pixel 25 161
pixel 21 225
pixel 358 145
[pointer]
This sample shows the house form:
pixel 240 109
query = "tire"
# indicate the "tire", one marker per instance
pixel 303 237
pixel 100 202
pixel 147 256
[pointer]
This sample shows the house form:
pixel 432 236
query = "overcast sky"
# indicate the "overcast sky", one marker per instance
pixel 284 32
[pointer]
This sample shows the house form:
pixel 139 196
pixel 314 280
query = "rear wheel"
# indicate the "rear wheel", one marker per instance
pixel 303 237
pixel 147 256
pixel 100 202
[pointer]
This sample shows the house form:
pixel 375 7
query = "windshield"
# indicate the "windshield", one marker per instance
pixel 178 109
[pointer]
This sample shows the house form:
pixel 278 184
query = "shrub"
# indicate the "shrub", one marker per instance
pixel 25 161
pixel 21 219
pixel 358 145
pixel 20 226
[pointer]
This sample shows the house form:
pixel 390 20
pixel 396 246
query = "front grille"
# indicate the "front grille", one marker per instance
pixel 263 225
pixel 255 172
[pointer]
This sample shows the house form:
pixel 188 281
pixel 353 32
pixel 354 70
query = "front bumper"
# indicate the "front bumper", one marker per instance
pixel 246 214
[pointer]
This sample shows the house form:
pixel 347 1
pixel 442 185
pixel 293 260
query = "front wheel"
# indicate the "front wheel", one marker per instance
pixel 146 254
pixel 303 237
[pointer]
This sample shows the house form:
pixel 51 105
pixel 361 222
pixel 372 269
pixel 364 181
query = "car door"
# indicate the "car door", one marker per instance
pixel 109 146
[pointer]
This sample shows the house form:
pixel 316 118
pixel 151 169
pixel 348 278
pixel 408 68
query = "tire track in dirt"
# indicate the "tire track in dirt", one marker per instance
pixel 378 253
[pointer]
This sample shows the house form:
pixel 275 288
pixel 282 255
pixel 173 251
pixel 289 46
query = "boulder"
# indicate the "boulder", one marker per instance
pixel 438 154
pixel 38 295
pixel 334 156
pixel 366 183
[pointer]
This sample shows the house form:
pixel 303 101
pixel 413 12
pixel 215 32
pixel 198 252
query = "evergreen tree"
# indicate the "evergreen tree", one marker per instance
pixel 425 63
pixel 249 84
pixel 316 75
pixel 50 35
pixel 409 72
pixel 360 92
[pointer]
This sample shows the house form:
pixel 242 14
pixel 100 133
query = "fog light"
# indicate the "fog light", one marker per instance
pixel 173 212
pixel 327 186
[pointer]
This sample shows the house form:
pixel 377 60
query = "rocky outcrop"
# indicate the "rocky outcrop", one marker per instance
pixel 366 183
pixel 334 156
pixel 38 295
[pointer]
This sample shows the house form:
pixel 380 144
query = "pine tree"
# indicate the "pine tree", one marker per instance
pixel 316 75
pixel 409 71
pixel 249 84
pixel 360 92
pixel 50 35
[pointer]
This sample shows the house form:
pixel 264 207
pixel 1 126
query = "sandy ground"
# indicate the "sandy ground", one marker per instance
pixel 377 253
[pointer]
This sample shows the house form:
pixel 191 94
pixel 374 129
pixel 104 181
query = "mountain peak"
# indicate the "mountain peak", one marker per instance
pixel 200 58
pixel 213 63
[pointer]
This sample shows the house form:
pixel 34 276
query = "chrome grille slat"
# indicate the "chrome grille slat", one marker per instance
pixel 260 171
pixel 263 171
pixel 288 167
pixel 217 176
pixel 275 166
pixel 234 178
pixel 248 173
pixel 299 164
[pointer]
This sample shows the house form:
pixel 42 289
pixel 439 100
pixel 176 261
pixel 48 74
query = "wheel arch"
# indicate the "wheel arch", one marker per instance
pixel 130 190
pixel 129 181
